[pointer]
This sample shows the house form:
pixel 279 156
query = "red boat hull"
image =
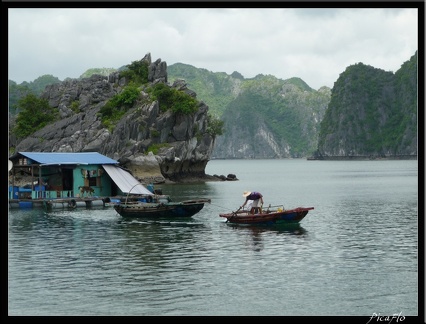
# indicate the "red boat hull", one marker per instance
pixel 288 216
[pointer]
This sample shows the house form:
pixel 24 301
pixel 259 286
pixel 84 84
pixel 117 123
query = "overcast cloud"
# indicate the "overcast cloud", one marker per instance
pixel 315 45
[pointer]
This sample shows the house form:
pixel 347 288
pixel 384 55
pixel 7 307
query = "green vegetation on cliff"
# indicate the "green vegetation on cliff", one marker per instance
pixel 368 112
pixel 35 113
pixel 371 113
pixel 217 90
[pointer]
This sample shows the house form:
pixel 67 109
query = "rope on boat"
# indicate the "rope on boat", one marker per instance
pixel 222 207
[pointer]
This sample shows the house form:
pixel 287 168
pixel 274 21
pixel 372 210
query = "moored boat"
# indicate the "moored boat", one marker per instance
pixel 186 208
pixel 269 216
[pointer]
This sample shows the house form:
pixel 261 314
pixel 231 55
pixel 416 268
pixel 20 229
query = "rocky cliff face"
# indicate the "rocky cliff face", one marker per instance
pixel 264 117
pixel 372 113
pixel 185 148
pixel 272 119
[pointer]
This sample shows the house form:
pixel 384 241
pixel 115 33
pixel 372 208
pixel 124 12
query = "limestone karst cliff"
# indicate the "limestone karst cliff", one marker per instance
pixel 148 141
pixel 372 113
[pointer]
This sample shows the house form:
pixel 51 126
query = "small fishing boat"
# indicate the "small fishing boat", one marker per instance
pixel 269 216
pixel 167 209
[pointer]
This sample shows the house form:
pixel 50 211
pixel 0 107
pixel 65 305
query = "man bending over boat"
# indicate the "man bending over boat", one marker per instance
pixel 256 197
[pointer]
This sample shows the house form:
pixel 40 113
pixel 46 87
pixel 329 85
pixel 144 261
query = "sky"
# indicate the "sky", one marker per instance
pixel 316 45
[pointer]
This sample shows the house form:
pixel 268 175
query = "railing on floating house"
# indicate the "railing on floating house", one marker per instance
pixel 38 193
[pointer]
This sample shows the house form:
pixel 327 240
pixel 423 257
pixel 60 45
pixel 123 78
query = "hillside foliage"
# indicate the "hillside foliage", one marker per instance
pixel 35 113
pixel 373 112
pixel 368 112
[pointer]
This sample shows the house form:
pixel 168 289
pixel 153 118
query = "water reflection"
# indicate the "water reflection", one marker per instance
pixel 293 229
pixel 176 222
pixel 257 234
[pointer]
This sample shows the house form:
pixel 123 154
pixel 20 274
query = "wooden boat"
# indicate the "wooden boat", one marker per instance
pixel 269 216
pixel 186 208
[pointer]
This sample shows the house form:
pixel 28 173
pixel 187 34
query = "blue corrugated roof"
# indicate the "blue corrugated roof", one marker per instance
pixel 68 158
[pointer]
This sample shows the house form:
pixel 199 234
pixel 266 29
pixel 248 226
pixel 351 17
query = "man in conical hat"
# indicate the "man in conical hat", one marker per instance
pixel 256 197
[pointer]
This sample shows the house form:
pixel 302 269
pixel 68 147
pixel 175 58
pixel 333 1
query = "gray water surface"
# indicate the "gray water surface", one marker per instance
pixel 356 253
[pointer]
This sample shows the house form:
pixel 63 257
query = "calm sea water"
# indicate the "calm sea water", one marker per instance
pixel 356 253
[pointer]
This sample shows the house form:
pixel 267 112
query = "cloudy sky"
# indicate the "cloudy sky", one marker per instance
pixel 315 45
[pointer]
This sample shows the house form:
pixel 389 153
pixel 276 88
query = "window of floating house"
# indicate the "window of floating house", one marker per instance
pixel 92 178
pixel 92 182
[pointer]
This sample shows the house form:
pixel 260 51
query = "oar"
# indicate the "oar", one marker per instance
pixel 234 213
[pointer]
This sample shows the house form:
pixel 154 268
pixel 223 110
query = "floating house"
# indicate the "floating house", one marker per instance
pixel 42 179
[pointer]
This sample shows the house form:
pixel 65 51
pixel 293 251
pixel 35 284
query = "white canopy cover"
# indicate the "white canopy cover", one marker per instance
pixel 125 181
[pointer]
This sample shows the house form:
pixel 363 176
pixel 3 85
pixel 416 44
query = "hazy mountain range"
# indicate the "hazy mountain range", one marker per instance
pixel 368 113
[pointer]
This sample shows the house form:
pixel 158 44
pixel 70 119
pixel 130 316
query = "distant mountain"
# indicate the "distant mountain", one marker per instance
pixel 368 113
pixel 216 89
pixel 372 113
pixel 36 87
pixel 264 117
pixel 100 71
